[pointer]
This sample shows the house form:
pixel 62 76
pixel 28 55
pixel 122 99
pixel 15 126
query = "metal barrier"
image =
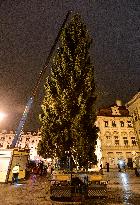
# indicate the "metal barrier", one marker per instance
pixel 79 187
pixel 97 191
pixel 73 193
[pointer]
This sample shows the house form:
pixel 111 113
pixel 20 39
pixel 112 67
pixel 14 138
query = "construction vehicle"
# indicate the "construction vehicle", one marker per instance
pixel 9 158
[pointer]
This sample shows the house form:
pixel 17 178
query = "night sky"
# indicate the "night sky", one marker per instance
pixel 27 31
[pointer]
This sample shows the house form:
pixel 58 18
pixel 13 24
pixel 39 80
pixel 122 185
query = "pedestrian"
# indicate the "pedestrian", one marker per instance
pixel 15 172
pixel 33 174
pixel 27 171
pixel 124 166
pixel 41 165
pixel 101 169
pixel 107 167
pixel 119 168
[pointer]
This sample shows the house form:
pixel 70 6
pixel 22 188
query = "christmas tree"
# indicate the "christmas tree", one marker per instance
pixel 68 118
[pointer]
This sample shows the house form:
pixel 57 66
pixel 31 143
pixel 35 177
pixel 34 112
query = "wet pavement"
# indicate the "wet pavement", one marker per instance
pixel 123 189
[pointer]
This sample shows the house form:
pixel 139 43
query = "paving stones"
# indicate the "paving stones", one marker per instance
pixel 123 189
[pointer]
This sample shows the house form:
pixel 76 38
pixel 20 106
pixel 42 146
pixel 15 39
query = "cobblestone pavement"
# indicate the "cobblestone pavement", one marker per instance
pixel 123 189
pixel 27 193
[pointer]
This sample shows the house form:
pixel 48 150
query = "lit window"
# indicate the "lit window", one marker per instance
pixel 106 123
pixel 113 124
pixel 129 123
pixel 122 123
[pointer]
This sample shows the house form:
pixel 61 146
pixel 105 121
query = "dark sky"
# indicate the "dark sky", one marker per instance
pixel 28 29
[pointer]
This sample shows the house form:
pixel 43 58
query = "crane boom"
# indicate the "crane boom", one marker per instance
pixel 41 74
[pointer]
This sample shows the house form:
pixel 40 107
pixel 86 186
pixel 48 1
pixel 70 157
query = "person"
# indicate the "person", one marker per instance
pixel 107 166
pixel 34 173
pixel 124 166
pixel 119 168
pixel 101 169
pixel 15 172
pixel 27 171
pixel 41 166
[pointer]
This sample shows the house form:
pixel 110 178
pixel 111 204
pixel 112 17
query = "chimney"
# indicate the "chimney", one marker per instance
pixel 119 103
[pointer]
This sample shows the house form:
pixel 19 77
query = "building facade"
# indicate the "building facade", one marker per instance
pixel 29 140
pixel 118 139
pixel 134 109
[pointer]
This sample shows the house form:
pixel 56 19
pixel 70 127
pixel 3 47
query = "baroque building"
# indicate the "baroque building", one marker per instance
pixel 134 109
pixel 27 140
pixel 117 136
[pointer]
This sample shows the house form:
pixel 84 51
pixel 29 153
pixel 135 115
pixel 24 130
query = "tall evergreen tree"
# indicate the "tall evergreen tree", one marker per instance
pixel 68 119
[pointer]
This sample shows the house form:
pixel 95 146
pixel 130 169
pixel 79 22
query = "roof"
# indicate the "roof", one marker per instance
pixel 134 99
pixel 114 111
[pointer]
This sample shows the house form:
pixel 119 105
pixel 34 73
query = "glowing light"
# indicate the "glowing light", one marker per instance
pixel 2 116
pixel 121 162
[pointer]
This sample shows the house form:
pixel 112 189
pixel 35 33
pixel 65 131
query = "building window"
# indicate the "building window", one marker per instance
pixel 116 137
pixel 134 142
pixel 8 146
pixel 125 138
pixel 1 145
pixel 129 123
pixel 122 123
pixel 125 142
pixel 108 137
pixel 116 142
pixel 113 124
pixel 106 123
pixel 136 115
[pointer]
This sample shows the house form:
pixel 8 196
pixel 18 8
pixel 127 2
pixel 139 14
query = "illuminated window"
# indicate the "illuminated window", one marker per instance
pixel 106 123
pixel 113 124
pixel 122 123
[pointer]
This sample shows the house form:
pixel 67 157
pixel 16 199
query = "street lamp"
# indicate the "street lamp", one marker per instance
pixel 2 116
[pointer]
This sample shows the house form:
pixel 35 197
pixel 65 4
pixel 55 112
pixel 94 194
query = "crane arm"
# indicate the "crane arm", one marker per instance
pixel 31 99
